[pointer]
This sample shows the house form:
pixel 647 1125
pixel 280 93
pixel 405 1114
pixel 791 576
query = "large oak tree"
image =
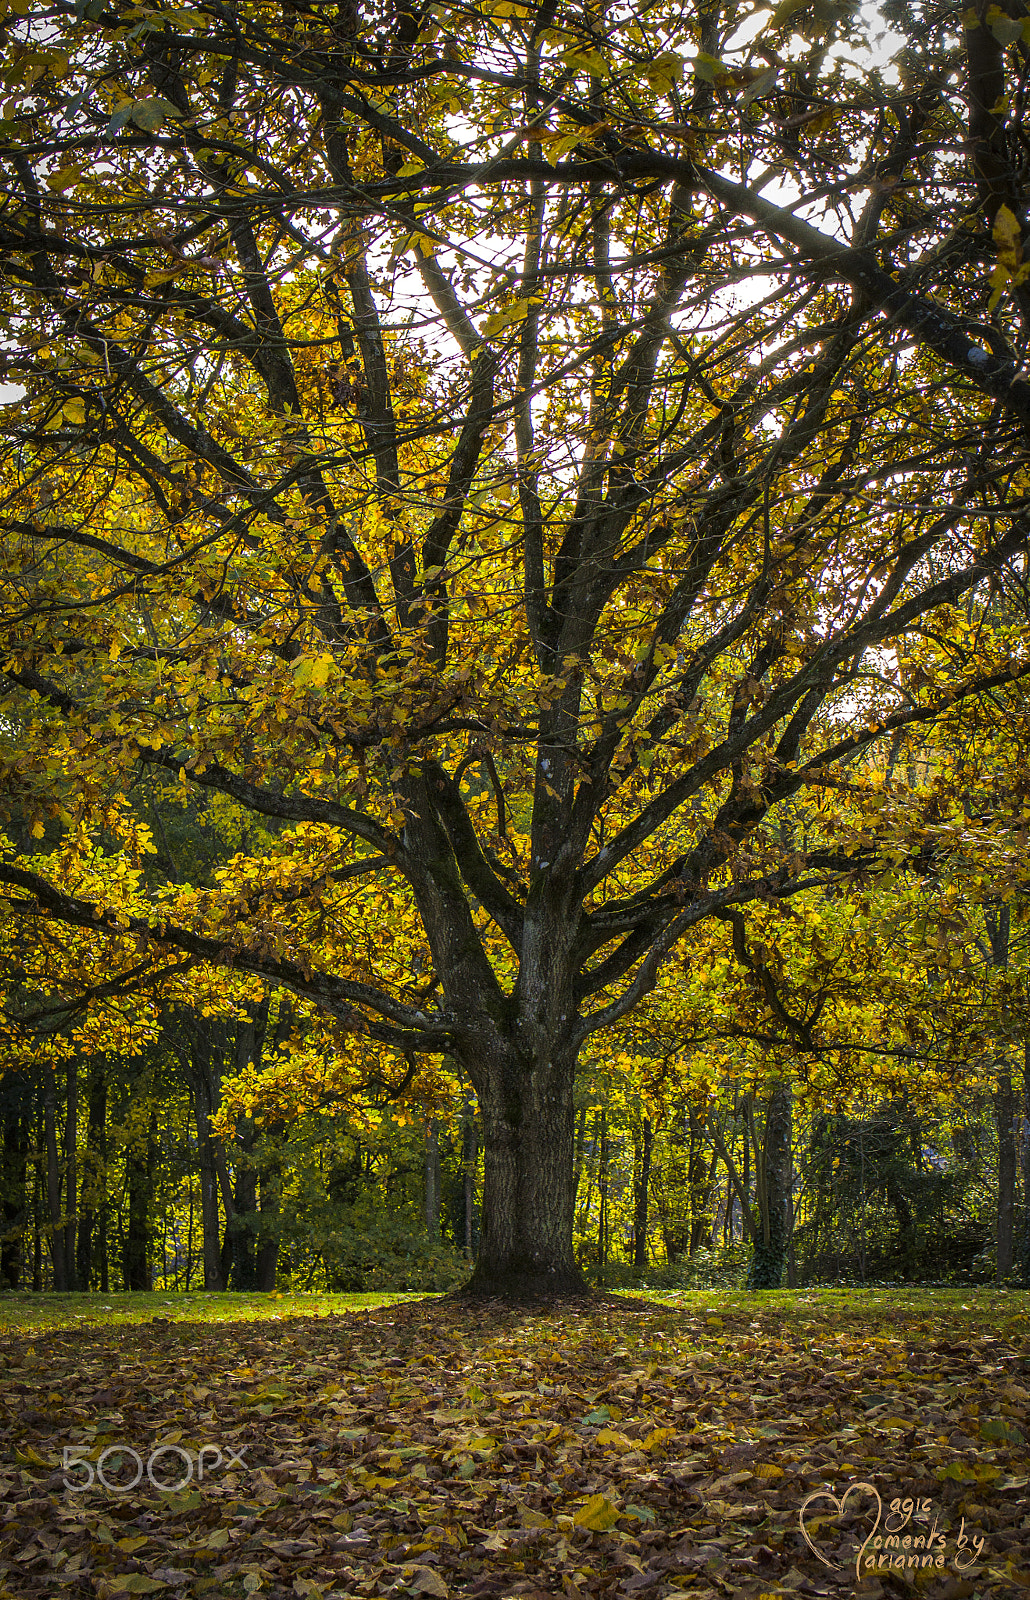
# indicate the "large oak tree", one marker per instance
pixel 512 450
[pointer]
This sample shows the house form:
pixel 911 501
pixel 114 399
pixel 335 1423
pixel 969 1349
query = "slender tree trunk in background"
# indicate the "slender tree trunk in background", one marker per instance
pixel 240 1232
pixel 189 1244
pixel 469 1157
pixel 37 1228
pixel 584 1210
pixel 701 1199
pixel 695 1134
pixel 774 1174
pixel 431 1177
pixel 243 1219
pixel 200 1045
pixel 641 1195
pixel 204 1090
pixel 581 1139
pixel 16 1126
pixel 1024 1241
pixel 270 1191
pixel 53 1179
pixel 93 1187
pixel 603 1177
pixel 1005 1121
pixel 71 1173
pixel 140 1162
pixel 998 920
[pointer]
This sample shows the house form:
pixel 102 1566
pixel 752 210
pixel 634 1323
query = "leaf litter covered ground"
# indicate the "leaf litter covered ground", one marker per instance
pixel 624 1449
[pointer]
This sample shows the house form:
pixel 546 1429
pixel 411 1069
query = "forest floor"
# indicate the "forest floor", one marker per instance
pixel 707 1444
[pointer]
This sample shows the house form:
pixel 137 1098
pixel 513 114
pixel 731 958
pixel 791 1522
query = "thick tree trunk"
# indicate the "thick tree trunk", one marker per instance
pixel 525 1247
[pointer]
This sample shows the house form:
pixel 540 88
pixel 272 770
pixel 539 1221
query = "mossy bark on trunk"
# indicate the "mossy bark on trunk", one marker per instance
pixel 528 1122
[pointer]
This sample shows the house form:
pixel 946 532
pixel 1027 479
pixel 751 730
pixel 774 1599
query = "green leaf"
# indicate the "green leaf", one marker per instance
pixel 998 1428
pixel 151 113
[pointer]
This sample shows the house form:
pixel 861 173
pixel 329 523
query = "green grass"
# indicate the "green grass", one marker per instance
pixel 44 1313
pixel 1007 1309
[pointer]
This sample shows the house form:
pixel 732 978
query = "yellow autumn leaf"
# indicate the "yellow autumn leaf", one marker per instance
pixel 1008 236
pixel 659 1437
pixel 598 1514
pixel 63 179
pixel 611 1439
pixel 765 1469
pixel 528 1518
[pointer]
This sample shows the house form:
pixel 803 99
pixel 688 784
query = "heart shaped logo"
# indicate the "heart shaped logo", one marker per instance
pixel 838 1505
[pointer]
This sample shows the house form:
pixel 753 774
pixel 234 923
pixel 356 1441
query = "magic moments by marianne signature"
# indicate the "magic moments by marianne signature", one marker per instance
pixel 908 1541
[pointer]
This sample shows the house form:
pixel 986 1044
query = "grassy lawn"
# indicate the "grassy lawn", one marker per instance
pixel 1004 1310
pixel 45 1313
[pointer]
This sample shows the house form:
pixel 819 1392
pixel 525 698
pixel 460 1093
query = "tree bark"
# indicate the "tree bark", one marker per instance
pixel 525 1250
pixel 997 920
pixel 205 1084
pixel 200 1047
pixel 240 1229
pixel 93 1188
pixel 71 1173
pixel 641 1196
pixel 53 1179
pixel 270 1193
pixel 16 1122
pixel 603 1177
pixel 431 1174
pixel 1005 1121
pixel 769 1248
pixel 139 1165
pixel 1024 1241
pixel 469 1157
